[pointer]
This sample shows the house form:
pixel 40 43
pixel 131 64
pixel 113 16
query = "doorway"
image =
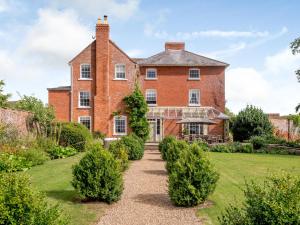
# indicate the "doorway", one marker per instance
pixel 155 132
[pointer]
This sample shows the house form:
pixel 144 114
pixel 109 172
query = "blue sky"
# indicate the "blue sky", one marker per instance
pixel 38 38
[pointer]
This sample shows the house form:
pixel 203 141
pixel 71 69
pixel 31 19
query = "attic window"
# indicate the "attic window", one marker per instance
pixel 151 74
pixel 194 74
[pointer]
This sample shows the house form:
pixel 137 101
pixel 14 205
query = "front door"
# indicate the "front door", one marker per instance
pixel 152 133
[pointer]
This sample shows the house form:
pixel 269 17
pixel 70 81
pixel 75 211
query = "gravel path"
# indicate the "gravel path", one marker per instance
pixel 145 200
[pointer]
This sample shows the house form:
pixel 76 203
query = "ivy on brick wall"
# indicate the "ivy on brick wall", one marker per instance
pixel 137 109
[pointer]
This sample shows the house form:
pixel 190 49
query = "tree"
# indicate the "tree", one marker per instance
pixel 295 46
pixel 137 109
pixel 3 97
pixel 42 115
pixel 249 122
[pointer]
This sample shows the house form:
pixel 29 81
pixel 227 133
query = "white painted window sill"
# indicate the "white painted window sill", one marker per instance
pixel 84 107
pixel 152 105
pixel 193 78
pixel 117 79
pixel 193 105
pixel 150 78
pixel 85 79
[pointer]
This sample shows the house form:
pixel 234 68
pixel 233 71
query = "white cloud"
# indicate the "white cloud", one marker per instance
pixel 40 60
pixel 55 37
pixel 274 88
pixel 282 61
pixel 134 52
pixel 119 9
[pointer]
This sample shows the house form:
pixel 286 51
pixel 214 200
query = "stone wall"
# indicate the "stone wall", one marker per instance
pixel 15 118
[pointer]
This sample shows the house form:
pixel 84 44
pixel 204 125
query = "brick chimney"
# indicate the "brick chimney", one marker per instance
pixel 174 46
pixel 101 99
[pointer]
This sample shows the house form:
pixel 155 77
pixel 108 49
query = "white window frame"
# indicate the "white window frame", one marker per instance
pixel 79 103
pixel 83 78
pixel 90 118
pixel 194 78
pixel 117 78
pixel 151 78
pixel 154 91
pixel 190 95
pixel 118 117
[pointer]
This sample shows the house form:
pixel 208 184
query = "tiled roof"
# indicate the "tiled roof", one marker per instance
pixel 180 58
pixel 61 88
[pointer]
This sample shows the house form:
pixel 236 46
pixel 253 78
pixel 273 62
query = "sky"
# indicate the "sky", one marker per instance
pixel 39 37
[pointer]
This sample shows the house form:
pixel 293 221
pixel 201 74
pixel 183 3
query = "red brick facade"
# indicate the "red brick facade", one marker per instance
pixel 172 86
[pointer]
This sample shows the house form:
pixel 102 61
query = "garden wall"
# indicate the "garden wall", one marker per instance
pixel 15 118
pixel 284 127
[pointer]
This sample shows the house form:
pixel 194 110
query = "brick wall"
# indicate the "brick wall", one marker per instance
pixel 60 100
pixel 15 118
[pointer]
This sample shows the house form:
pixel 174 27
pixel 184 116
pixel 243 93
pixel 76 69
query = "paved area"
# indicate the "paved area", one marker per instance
pixel 145 200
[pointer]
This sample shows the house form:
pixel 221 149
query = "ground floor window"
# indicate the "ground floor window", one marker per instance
pixel 86 121
pixel 120 125
pixel 195 128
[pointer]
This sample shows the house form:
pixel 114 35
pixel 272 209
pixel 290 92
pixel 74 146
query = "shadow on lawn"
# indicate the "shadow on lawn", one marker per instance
pixel 156 172
pixel 64 195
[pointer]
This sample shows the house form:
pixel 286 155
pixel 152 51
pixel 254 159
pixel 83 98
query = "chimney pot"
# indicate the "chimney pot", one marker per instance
pixel 105 19
pixel 99 21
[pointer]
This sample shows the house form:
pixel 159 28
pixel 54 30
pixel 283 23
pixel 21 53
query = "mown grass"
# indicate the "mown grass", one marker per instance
pixel 54 179
pixel 234 169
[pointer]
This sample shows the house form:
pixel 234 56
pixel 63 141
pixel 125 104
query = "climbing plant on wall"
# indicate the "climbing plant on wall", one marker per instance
pixel 137 109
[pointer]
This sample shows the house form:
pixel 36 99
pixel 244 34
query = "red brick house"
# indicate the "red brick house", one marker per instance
pixel 185 91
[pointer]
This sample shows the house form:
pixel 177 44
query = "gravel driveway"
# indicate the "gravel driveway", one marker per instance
pixel 145 200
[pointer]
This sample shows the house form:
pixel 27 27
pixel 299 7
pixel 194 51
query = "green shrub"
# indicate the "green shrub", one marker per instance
pixel 11 162
pixel 75 135
pixel 192 179
pixel 241 147
pixel 34 156
pixel 163 146
pixel 258 142
pixel 98 176
pixel 21 204
pixel 99 135
pixel 134 148
pixel 60 152
pixel 249 122
pixel 203 145
pixel 276 201
pixel 221 148
pixel 174 149
pixel 118 149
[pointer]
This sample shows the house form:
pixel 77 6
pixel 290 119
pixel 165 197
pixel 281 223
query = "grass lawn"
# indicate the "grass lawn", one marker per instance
pixel 54 179
pixel 234 169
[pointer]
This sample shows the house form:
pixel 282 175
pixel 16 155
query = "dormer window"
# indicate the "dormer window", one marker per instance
pixel 151 74
pixel 194 74
pixel 120 72
pixel 85 71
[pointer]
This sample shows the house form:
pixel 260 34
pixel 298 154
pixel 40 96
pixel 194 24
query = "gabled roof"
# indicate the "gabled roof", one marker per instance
pixel 179 58
pixel 60 88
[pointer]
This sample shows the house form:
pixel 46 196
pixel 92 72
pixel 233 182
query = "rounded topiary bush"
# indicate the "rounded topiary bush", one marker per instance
pixel 98 176
pixel 172 154
pixel 192 179
pixel 118 149
pixel 21 204
pixel 258 142
pixel 134 148
pixel 249 122
pixel 75 135
pixel 163 146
